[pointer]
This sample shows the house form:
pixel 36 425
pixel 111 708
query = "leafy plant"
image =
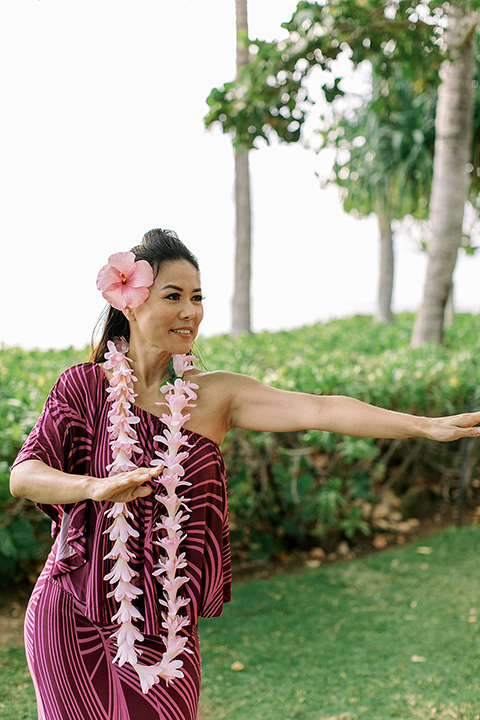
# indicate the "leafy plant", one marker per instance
pixel 286 488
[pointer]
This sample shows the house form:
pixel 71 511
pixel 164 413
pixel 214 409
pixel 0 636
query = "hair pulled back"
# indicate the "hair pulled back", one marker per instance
pixel 157 247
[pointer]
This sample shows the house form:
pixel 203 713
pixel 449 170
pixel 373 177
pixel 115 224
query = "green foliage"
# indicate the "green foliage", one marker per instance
pixel 356 356
pixel 294 489
pixel 25 381
pixel 287 490
pixel 271 96
pixel 24 542
pixel 404 44
pixel 384 150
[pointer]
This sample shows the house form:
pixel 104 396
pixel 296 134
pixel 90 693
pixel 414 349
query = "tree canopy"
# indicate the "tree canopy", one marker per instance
pixel 428 44
pixel 271 95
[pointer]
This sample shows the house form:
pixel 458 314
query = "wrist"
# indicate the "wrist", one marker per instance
pixel 422 426
pixel 89 487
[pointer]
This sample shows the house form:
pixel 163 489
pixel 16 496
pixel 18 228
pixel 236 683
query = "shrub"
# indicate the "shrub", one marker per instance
pixel 26 378
pixel 288 490
pixel 312 488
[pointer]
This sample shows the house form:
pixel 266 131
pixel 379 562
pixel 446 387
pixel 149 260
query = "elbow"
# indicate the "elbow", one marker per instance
pixel 13 491
pixel 16 484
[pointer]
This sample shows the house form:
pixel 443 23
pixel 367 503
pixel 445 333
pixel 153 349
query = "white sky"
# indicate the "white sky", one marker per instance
pixel 102 139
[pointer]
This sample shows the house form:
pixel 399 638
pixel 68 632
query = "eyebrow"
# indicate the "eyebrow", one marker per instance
pixel 176 287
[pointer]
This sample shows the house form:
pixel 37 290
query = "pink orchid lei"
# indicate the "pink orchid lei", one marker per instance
pixel 179 394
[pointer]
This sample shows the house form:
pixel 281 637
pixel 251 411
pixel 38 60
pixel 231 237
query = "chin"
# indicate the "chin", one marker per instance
pixel 182 345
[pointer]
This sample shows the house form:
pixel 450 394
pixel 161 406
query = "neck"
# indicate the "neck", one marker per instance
pixel 150 367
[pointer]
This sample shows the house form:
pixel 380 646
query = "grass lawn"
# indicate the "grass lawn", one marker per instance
pixel 393 635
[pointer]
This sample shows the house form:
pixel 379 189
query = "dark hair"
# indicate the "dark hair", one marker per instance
pixel 157 247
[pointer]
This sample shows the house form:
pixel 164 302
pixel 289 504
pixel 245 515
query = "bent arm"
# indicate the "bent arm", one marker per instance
pixel 37 481
pixel 256 406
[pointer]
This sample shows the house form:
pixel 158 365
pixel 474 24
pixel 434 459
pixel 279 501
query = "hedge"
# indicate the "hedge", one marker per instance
pixel 291 490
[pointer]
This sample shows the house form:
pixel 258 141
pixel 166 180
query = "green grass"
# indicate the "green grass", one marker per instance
pixel 336 642
pixel 17 697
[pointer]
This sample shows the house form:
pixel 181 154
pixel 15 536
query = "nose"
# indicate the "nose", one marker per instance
pixel 188 310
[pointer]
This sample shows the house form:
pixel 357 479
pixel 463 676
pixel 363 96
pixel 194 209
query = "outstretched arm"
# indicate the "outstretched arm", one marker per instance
pixel 256 406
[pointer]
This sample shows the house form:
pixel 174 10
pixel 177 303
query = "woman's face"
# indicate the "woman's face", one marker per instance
pixel 170 317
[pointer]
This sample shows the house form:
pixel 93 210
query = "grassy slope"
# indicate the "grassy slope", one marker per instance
pixel 336 642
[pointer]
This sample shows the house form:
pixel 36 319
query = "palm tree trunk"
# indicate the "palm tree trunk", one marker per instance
pixel 241 322
pixel 386 270
pixel 450 308
pixel 243 247
pixel 453 127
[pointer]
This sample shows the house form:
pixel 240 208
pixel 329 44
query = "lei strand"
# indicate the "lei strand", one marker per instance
pixel 178 395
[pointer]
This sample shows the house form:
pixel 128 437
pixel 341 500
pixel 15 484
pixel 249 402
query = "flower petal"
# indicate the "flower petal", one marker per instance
pixel 126 654
pixel 142 274
pixel 106 277
pixel 122 261
pixel 115 297
pixel 134 296
pixel 124 282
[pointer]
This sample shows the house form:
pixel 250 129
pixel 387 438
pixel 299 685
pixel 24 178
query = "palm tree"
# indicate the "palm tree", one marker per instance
pixel 450 177
pixel 383 164
pixel 241 322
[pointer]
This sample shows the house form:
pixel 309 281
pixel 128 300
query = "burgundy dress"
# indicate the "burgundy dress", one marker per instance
pixel 68 624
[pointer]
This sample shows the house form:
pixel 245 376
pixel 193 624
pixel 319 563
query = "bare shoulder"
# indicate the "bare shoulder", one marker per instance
pixel 221 391
pixel 233 392
pixel 221 380
pixel 216 392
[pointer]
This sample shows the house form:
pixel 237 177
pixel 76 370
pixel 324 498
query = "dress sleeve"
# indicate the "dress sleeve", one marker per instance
pixel 62 437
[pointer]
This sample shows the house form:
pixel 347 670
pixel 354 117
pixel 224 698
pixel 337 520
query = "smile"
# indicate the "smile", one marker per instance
pixel 184 332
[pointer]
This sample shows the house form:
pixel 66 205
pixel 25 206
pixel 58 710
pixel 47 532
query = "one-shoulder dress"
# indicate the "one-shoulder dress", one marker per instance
pixel 68 628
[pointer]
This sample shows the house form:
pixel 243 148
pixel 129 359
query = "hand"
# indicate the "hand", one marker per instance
pixel 124 486
pixel 453 427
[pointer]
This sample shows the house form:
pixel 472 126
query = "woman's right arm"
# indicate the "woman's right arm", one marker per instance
pixel 37 481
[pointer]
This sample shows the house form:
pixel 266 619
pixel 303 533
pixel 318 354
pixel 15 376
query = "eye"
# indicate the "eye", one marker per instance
pixel 173 296
pixel 198 298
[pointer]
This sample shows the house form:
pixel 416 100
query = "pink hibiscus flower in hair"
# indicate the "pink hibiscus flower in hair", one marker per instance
pixel 124 282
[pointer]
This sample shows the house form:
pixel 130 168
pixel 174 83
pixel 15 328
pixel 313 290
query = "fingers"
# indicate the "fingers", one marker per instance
pixel 141 474
pixel 127 486
pixel 474 418
pixel 469 421
pixel 463 431
pixel 136 478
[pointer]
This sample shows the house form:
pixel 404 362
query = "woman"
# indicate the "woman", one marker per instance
pixel 111 627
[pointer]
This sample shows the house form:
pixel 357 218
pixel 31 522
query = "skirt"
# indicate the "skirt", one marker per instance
pixel 70 661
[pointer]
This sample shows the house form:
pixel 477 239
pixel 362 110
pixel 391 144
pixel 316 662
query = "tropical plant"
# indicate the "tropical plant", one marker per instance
pixel 383 162
pixel 450 187
pixel 289 490
pixel 272 97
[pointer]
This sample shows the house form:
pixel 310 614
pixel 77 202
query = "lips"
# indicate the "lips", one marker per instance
pixel 183 332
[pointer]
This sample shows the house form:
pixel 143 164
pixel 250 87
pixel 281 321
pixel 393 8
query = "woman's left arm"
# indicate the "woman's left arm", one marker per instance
pixel 256 406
